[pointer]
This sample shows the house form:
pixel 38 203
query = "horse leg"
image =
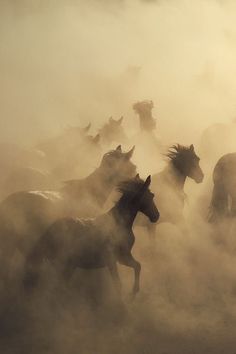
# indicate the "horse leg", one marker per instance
pixel 219 202
pixel 31 270
pixel 129 261
pixel 112 266
pixel 41 250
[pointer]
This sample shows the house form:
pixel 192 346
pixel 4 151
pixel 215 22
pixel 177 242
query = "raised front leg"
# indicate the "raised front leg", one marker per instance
pixel 129 261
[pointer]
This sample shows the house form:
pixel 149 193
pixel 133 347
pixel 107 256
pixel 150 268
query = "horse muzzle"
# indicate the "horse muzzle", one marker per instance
pixel 155 218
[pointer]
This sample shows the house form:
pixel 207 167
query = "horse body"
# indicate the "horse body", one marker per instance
pixel 101 242
pixel 223 202
pixel 65 153
pixel 26 214
pixel 168 185
pixel 26 178
pixel 72 162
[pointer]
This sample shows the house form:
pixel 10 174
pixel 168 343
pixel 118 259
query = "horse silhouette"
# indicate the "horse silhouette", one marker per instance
pixel 113 132
pixel 223 201
pixel 144 111
pixel 25 215
pixel 168 185
pixel 95 243
pixel 65 145
pixel 73 163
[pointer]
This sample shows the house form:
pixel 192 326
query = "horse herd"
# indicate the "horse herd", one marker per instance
pixel 65 224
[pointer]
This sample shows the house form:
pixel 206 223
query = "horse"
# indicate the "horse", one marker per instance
pixel 148 141
pixel 113 132
pixel 57 149
pixel 95 243
pixel 144 111
pixel 223 201
pixel 14 157
pixel 26 178
pixel 168 185
pixel 73 162
pixel 209 146
pixel 25 215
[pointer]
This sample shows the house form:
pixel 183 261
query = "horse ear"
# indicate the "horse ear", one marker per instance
pixel 96 139
pixel 119 148
pixel 129 154
pixel 191 147
pixel 137 176
pixel 110 119
pixel 119 121
pixel 147 182
pixel 86 129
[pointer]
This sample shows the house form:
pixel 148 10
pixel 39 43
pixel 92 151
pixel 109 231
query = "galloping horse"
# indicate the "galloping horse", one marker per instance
pixel 223 202
pixel 25 215
pixel 168 185
pixel 96 243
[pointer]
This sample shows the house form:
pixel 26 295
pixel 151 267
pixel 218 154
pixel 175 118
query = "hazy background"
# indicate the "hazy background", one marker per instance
pixel 74 61
pixel 71 62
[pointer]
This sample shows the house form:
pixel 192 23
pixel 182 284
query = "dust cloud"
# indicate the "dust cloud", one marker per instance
pixel 65 64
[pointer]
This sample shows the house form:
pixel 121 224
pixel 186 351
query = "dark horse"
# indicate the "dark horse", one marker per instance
pixel 144 111
pixel 25 215
pixel 223 202
pixel 168 185
pixel 95 243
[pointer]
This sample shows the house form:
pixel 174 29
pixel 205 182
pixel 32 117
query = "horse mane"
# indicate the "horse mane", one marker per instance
pixel 177 151
pixel 132 185
pixel 137 106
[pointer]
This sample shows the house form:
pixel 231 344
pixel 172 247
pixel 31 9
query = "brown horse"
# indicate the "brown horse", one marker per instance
pixel 223 202
pixel 101 242
pixel 25 215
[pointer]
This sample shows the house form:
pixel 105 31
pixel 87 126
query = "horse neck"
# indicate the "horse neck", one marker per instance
pixel 98 185
pixel 175 176
pixel 124 212
pixel 146 121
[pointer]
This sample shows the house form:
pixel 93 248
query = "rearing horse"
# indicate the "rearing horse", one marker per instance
pixel 96 243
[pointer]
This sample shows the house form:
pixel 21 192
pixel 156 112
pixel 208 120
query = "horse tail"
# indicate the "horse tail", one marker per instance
pixel 219 203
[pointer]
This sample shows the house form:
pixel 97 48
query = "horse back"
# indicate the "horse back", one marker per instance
pixel 225 171
pixel 28 213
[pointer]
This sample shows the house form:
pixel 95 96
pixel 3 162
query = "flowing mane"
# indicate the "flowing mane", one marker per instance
pixel 132 185
pixel 179 152
pixel 183 158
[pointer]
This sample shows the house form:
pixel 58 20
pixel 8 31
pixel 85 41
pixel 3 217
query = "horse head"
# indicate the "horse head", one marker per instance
pixel 186 161
pixel 113 131
pixel 137 192
pixel 118 163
